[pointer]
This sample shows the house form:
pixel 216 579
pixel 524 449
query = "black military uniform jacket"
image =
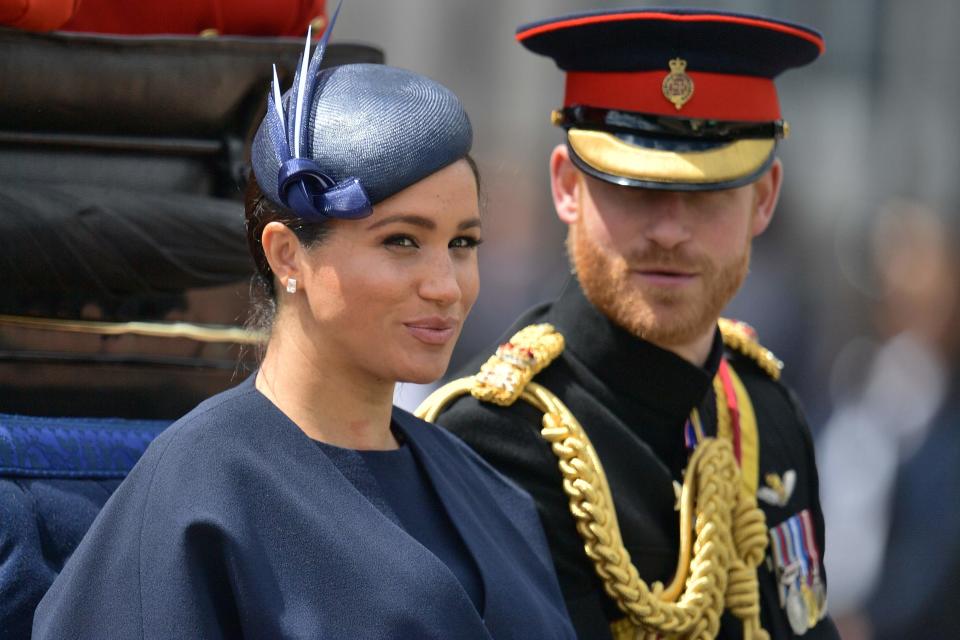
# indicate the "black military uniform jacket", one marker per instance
pixel 633 400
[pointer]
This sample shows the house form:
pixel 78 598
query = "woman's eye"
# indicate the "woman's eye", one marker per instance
pixel 401 241
pixel 465 242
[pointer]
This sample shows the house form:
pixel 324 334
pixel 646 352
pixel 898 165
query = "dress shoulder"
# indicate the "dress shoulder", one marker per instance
pixel 459 449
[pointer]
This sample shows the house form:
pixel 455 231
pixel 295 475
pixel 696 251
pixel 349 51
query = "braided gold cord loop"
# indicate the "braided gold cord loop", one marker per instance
pixel 750 534
pixel 712 483
pixel 723 534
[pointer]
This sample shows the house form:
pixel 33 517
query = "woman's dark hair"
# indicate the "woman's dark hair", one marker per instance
pixel 476 173
pixel 260 211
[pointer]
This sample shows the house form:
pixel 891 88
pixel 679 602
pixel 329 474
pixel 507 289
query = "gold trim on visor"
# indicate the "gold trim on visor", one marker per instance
pixel 606 153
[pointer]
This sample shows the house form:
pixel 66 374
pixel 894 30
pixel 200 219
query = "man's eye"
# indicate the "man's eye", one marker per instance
pixel 401 241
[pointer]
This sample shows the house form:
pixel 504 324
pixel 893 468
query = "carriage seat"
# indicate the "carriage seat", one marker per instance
pixel 55 476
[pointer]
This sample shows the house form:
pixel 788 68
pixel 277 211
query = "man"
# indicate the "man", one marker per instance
pixel 668 173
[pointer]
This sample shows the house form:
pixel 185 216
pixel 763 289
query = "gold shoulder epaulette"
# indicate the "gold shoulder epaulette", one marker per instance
pixel 504 375
pixel 742 338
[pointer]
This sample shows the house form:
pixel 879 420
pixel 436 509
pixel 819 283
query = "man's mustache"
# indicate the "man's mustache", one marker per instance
pixel 667 260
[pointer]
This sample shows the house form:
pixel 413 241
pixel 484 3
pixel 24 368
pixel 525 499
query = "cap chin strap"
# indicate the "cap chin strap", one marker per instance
pixel 716 567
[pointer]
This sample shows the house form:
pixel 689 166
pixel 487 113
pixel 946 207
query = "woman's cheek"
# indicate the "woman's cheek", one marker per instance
pixel 469 280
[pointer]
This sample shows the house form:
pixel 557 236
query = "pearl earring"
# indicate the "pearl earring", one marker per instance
pixel 291 285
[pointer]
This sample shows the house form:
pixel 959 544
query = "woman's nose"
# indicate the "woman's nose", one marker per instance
pixel 439 284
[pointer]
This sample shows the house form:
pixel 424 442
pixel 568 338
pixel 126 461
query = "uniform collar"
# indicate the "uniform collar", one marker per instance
pixel 663 381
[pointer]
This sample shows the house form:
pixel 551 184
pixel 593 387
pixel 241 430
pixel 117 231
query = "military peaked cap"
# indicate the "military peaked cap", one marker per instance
pixel 677 99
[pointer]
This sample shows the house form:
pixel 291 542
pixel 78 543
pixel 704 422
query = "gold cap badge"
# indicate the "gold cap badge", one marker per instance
pixel 677 86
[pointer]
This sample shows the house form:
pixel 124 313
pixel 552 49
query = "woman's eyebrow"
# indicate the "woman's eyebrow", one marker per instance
pixel 417 221
pixel 420 221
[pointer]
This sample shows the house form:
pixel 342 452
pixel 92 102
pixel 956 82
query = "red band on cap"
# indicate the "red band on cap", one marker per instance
pixel 716 96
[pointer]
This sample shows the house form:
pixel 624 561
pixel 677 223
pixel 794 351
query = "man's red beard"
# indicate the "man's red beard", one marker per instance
pixel 662 316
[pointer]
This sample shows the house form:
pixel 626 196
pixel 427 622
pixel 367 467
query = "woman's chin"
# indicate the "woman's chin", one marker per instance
pixel 423 373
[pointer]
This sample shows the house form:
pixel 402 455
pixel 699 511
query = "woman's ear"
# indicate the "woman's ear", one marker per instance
pixel 282 250
pixel 565 184
pixel 766 194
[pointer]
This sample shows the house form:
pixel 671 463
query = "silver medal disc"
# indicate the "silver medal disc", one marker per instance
pixel 796 610
pixel 820 596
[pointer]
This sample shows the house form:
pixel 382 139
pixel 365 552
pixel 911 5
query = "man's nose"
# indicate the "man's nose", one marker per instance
pixel 668 223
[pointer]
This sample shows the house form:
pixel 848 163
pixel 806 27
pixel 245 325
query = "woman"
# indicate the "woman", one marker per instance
pixel 301 504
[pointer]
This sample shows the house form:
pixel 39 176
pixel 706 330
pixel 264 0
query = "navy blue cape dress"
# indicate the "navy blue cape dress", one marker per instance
pixel 235 524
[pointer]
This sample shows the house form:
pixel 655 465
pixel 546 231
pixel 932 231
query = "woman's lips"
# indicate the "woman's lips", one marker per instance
pixel 432 331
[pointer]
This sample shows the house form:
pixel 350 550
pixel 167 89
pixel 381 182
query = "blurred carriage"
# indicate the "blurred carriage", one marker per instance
pixel 124 264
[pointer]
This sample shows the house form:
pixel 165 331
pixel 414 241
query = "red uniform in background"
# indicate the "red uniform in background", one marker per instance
pixel 121 17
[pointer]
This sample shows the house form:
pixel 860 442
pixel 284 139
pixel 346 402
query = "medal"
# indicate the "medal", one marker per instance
pixel 796 557
pixel 819 590
pixel 820 596
pixel 813 613
pixel 790 574
pixel 796 610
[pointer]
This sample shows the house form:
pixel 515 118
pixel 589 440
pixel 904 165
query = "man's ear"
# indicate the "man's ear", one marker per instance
pixel 565 184
pixel 766 194
pixel 282 250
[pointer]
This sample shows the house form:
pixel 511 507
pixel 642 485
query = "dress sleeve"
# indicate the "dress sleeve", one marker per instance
pixel 149 567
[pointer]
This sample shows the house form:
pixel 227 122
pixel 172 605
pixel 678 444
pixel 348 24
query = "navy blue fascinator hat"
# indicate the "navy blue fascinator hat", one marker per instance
pixel 345 138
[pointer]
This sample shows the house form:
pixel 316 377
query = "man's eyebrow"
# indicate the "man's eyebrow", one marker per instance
pixel 417 221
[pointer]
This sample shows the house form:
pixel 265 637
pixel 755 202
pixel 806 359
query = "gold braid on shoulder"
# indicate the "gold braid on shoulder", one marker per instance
pixel 741 337
pixel 723 534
